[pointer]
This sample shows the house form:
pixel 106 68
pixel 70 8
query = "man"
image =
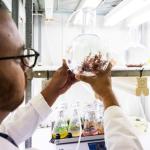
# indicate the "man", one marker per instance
pixel 17 128
pixel 13 65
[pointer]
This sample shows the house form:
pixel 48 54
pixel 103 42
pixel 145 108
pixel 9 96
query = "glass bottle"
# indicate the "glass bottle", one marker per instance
pixel 87 51
pixel 60 129
pixel 75 122
pixel 99 117
pixel 137 55
pixel 90 123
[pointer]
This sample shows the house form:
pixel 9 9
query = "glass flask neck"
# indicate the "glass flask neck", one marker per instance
pixel 61 114
pixel 75 113
pixel 88 20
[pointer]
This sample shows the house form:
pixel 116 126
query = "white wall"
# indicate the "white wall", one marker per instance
pixel 146 34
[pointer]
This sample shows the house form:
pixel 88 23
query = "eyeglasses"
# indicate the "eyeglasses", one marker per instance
pixel 28 58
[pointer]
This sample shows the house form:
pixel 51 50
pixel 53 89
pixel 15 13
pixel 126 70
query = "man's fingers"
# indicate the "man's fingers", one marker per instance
pixel 106 69
pixel 64 64
pixel 109 67
pixel 86 79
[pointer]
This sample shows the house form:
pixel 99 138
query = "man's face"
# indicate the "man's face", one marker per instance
pixel 12 79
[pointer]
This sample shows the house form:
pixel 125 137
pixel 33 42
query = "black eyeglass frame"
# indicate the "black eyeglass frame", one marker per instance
pixel 36 55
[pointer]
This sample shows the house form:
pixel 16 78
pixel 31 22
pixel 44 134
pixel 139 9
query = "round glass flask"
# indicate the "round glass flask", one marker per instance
pixel 86 48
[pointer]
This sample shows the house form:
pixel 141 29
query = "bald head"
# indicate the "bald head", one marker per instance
pixel 10 40
pixel 12 77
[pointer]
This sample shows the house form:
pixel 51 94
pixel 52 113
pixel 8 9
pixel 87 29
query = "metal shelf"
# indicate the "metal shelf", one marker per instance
pixel 130 73
pixel 75 140
pixel 115 73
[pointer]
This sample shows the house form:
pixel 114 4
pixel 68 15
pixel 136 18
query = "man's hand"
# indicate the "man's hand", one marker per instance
pixel 61 81
pixel 101 84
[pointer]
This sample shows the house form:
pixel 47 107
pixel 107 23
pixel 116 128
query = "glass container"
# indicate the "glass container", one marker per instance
pixel 84 50
pixel 90 123
pixel 99 117
pixel 60 129
pixel 137 54
pixel 74 124
pixel 86 53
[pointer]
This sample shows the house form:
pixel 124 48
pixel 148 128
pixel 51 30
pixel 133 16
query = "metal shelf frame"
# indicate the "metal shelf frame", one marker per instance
pixel 29 34
pixel 115 73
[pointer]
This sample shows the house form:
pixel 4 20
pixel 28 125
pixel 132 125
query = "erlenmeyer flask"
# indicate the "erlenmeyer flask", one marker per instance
pixel 99 117
pixel 90 123
pixel 60 129
pixel 74 124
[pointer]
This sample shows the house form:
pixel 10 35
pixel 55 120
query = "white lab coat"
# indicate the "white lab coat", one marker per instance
pixel 23 122
pixel 118 133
